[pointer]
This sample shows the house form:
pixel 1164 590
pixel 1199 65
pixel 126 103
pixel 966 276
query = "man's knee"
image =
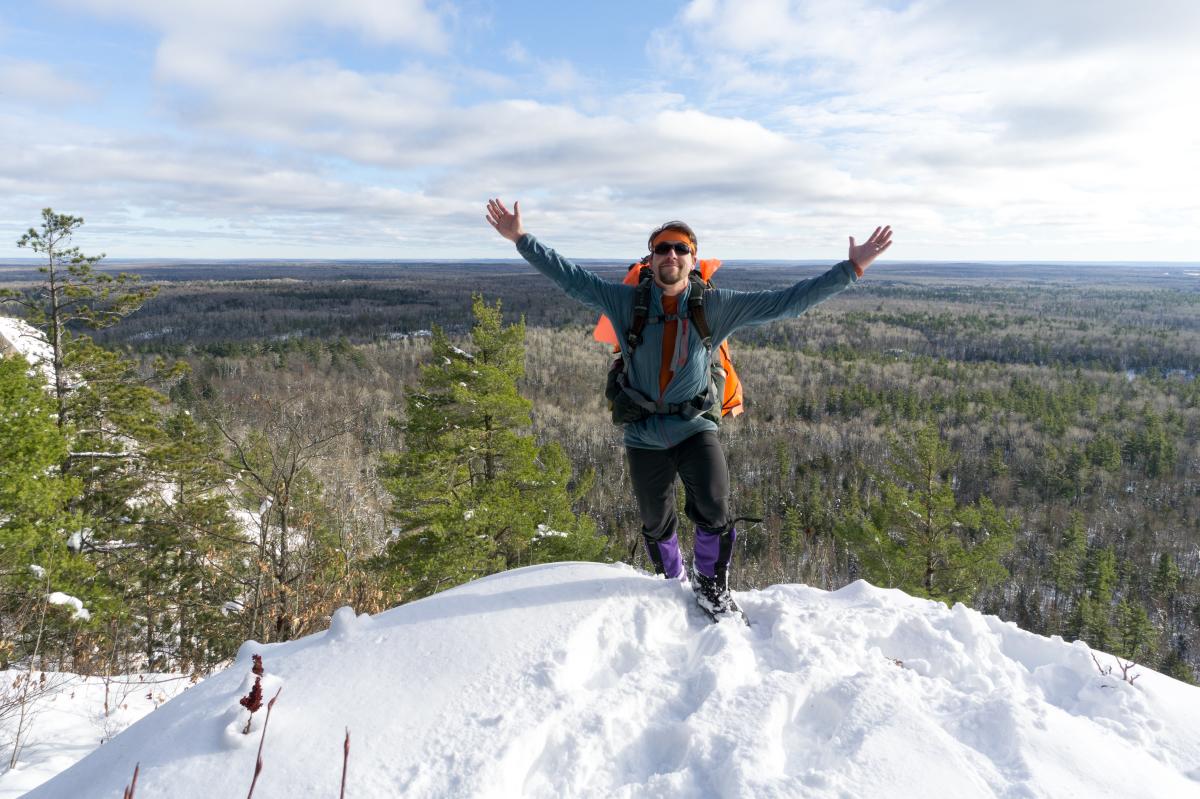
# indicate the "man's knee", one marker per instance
pixel 709 511
pixel 658 527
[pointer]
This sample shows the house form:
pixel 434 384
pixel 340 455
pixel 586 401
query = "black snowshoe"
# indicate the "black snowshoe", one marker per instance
pixel 715 599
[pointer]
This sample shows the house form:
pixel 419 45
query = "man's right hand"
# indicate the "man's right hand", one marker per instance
pixel 506 224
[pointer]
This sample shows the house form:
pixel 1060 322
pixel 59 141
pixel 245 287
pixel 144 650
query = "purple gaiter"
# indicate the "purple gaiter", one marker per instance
pixel 672 561
pixel 710 555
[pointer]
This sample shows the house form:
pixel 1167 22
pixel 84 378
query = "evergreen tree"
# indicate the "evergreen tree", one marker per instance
pixel 1091 623
pixel 1104 452
pixel 71 294
pixel 791 534
pixel 918 537
pixel 101 399
pixel 1067 561
pixel 190 557
pixel 1151 447
pixel 474 493
pixel 1100 574
pixel 1092 619
pixel 35 520
pixel 1066 568
pixel 1167 578
pixel 136 557
pixel 1137 639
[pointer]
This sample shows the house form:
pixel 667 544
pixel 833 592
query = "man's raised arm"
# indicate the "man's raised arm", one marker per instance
pixel 738 308
pixel 608 298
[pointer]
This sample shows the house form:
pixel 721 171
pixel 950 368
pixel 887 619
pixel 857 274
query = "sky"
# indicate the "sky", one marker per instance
pixel 1022 130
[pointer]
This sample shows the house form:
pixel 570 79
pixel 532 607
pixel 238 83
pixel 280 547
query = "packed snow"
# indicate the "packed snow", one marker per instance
pixel 598 680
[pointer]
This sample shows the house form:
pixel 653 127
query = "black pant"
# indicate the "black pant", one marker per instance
pixel 700 463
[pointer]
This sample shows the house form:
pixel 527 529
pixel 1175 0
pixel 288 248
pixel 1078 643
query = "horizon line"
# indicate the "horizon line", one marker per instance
pixel 17 261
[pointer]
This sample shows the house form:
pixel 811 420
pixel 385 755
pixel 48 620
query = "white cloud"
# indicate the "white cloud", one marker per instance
pixel 151 196
pixel 516 53
pixel 1012 120
pixel 980 130
pixel 561 76
pixel 35 83
pixel 300 101
pixel 252 26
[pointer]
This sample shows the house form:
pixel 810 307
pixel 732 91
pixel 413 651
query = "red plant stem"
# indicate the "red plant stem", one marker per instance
pixel 133 785
pixel 345 762
pixel 258 762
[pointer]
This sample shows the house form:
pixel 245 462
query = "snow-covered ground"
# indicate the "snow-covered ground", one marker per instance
pixel 68 720
pixel 594 680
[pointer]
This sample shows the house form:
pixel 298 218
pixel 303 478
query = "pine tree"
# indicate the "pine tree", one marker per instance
pixel 33 491
pixel 101 399
pixel 1092 619
pixel 119 459
pixel 1066 566
pixel 72 294
pixel 1104 452
pixel 473 492
pixel 1100 574
pixel 918 537
pixel 1167 578
pixel 1137 639
pixel 1067 561
pixel 35 520
pixel 1091 623
pixel 191 552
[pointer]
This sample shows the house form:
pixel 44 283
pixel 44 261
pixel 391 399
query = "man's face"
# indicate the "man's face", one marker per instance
pixel 671 268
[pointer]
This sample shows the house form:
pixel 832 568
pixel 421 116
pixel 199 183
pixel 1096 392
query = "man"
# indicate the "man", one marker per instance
pixel 670 370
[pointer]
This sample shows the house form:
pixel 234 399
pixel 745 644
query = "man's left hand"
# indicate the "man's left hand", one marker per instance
pixel 862 255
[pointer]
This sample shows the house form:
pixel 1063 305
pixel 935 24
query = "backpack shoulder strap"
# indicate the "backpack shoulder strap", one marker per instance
pixel 641 309
pixel 698 288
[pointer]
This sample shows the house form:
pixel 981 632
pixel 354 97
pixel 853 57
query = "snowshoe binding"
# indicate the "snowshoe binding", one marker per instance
pixel 715 599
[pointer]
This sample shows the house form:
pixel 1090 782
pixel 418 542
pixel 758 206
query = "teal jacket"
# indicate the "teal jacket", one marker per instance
pixel 725 310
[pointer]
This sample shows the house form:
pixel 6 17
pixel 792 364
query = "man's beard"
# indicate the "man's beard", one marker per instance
pixel 679 275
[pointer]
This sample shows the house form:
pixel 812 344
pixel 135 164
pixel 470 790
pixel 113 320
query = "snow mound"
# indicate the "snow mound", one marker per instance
pixel 20 338
pixel 593 680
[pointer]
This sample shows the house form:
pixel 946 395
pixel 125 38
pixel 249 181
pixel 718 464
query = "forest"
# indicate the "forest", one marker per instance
pixel 246 447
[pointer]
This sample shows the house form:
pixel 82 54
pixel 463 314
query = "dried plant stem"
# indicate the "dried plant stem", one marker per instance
pixel 133 785
pixel 23 718
pixel 345 762
pixel 1125 667
pixel 258 762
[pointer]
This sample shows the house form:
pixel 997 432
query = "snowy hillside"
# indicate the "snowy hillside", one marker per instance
pixel 594 680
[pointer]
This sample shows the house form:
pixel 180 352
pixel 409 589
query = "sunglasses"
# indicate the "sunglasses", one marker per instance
pixel 662 248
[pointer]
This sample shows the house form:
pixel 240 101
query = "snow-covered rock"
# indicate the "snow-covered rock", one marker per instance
pixel 594 680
